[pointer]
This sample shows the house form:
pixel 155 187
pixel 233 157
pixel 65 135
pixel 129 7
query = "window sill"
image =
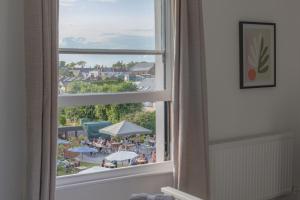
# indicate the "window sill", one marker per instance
pixel 114 175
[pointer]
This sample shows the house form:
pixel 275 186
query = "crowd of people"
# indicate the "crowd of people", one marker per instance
pixel 141 159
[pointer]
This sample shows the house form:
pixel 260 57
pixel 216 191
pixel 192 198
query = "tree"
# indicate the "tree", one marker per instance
pixel 62 64
pixel 74 114
pixel 71 65
pixel 81 63
pixel 131 64
pixel 143 119
pixel 100 86
pixel 65 72
pixel 98 66
pixel 116 112
pixel 62 120
pixel 119 65
pixel 113 113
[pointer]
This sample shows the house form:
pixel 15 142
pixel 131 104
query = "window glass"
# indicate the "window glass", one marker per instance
pixel 108 47
pixel 109 73
pixel 107 24
pixel 105 137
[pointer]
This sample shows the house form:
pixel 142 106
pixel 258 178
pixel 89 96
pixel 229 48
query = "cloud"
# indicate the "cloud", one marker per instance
pixel 72 2
pixel 104 1
pixel 67 2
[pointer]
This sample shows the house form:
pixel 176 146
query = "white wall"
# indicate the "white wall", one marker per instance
pixel 12 100
pixel 234 112
pixel 115 190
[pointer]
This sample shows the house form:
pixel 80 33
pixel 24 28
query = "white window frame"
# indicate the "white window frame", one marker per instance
pixel 160 96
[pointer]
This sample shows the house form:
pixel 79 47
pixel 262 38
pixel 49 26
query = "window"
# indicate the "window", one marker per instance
pixel 114 84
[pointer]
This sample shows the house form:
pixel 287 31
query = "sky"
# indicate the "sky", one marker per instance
pixel 107 24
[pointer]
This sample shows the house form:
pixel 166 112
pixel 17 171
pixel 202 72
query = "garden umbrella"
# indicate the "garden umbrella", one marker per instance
pixel 124 129
pixel 121 156
pixel 83 149
pixel 60 141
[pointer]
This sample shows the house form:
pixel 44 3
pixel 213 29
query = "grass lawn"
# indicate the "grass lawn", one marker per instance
pixel 62 172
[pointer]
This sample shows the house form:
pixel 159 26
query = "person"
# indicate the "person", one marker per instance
pixel 115 163
pixel 133 161
pixel 108 144
pixel 126 141
pixel 147 139
pixel 145 158
pixel 153 156
pixel 103 163
pixel 122 147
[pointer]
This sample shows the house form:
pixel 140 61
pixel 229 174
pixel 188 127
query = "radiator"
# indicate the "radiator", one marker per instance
pixel 257 168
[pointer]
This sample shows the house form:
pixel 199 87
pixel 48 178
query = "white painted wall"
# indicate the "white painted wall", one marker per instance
pixel 234 112
pixel 12 100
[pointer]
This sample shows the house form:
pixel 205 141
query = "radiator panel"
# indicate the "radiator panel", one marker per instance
pixel 258 168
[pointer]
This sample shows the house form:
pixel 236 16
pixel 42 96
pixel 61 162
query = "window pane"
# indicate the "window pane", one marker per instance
pixel 109 24
pixel 89 137
pixel 80 74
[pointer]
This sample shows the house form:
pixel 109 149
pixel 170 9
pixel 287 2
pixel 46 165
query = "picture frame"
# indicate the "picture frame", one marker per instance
pixel 257 42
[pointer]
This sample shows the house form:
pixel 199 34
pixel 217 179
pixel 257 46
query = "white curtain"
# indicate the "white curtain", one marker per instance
pixel 189 108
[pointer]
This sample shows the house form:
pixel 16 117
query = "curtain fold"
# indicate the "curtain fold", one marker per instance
pixel 189 108
pixel 41 39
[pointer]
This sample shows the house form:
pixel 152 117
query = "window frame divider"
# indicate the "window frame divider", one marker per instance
pixel 110 51
pixel 66 100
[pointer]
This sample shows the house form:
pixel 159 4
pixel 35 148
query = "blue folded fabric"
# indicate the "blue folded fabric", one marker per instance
pixel 151 197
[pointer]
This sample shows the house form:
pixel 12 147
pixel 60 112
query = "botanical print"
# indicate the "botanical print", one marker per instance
pixel 258 55
pixel 258 61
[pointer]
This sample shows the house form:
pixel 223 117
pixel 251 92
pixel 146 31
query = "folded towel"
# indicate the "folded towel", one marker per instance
pixel 151 197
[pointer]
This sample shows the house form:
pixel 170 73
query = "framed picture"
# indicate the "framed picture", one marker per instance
pixel 257 54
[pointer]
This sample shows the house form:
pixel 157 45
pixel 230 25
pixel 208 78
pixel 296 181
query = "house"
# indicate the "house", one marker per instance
pixel 146 84
pixel 143 68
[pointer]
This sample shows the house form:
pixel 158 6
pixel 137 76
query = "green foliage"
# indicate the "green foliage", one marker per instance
pixel 62 171
pixel 62 63
pixel 144 119
pixel 116 112
pixel 82 138
pixel 263 57
pixel 74 114
pixel 131 64
pixel 74 142
pixel 116 138
pixel 65 72
pixel 81 63
pixel 113 113
pixel 100 86
pixel 71 65
pixel 122 65
pixel 62 120
pixel 60 151
pixel 119 65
